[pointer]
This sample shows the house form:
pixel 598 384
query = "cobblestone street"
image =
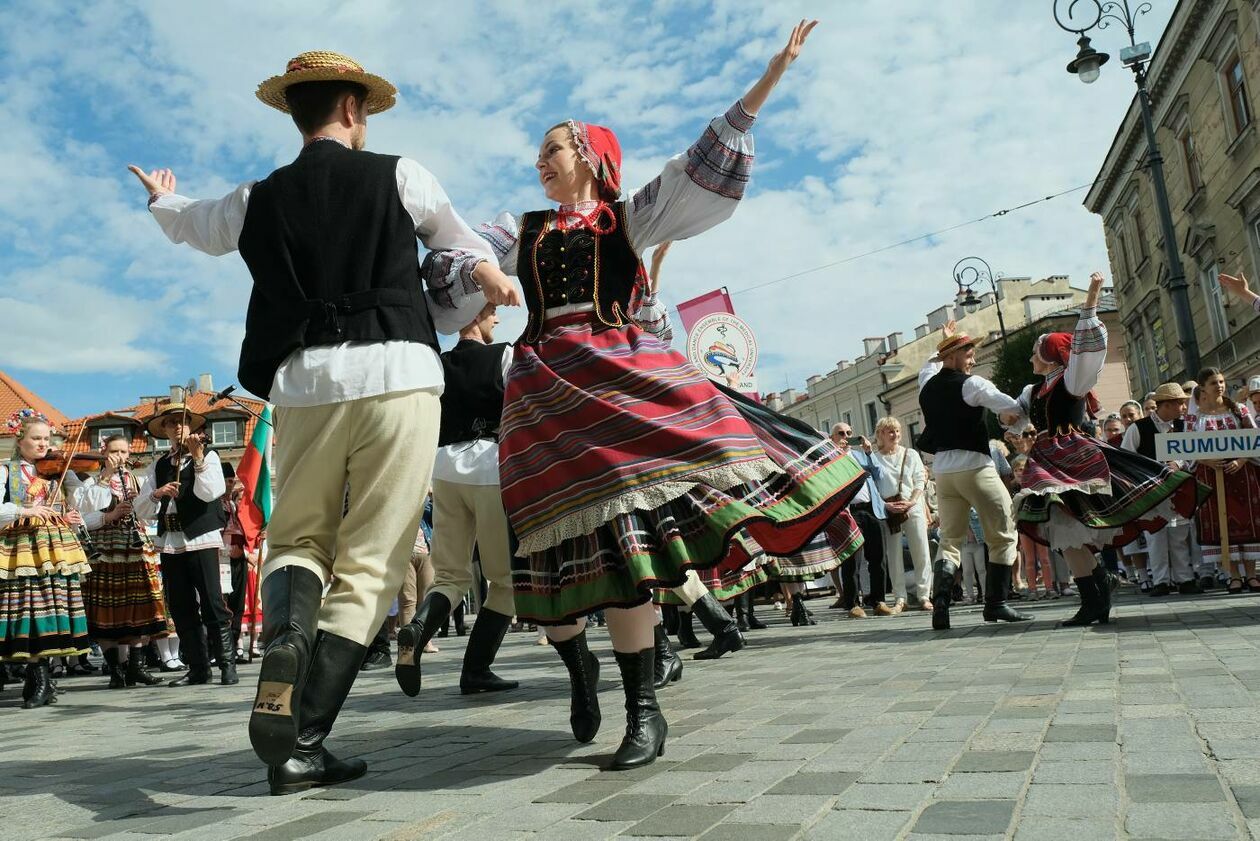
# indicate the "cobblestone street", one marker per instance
pixel 881 729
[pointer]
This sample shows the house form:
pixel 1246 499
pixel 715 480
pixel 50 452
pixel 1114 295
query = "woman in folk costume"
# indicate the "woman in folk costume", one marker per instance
pixel 123 595
pixel 42 564
pixel 1080 494
pixel 621 465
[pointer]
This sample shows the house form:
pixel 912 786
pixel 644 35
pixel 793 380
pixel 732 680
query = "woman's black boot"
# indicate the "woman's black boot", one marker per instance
pixel 669 666
pixel 800 616
pixel 40 687
pixel 138 670
pixel 117 674
pixel 754 623
pixel 645 726
pixel 715 619
pixel 583 666
pixel 1092 607
pixel 686 631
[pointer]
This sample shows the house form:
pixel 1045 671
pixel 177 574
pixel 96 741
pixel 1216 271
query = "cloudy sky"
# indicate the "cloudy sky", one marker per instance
pixel 902 117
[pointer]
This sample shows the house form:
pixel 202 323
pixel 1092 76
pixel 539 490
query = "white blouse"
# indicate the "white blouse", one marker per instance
pixel 890 468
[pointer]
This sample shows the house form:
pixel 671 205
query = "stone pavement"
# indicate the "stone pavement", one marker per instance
pixel 879 729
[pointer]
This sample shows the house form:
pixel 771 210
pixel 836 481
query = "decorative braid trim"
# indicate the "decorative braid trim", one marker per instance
pixel 46 568
pixel 1100 487
pixel 587 520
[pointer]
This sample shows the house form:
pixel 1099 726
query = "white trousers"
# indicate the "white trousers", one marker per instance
pixel 1171 554
pixel 915 530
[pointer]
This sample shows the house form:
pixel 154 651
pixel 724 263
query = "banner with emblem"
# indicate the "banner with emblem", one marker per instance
pixel 723 347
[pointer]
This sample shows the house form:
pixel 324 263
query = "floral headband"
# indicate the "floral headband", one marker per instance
pixel 23 418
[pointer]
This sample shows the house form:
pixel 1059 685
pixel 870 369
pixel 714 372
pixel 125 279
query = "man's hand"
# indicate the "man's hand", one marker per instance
pixel 170 489
pixel 159 182
pixel 196 446
pixel 495 285
pixel 1008 419
pixel 950 328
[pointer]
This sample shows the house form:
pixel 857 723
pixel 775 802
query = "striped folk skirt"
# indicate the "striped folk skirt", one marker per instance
pixel 123 592
pixel 622 467
pixel 41 596
pixel 1080 492
pixel 1242 514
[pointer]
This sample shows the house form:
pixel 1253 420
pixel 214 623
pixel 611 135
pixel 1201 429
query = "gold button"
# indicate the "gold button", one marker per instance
pixel 562 265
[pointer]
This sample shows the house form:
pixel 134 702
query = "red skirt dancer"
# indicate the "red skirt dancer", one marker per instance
pixel 1242 496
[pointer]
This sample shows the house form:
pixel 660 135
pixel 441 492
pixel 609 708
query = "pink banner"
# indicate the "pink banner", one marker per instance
pixel 689 312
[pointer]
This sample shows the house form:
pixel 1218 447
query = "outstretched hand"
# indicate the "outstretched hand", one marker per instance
pixel 950 328
pixel 1237 286
pixel 495 285
pixel 783 59
pixel 159 182
pixel 1096 283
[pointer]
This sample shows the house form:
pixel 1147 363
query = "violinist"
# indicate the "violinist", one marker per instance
pixel 123 595
pixel 182 490
pixel 42 563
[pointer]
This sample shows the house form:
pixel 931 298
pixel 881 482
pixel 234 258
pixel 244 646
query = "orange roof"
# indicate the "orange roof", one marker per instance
pixel 14 396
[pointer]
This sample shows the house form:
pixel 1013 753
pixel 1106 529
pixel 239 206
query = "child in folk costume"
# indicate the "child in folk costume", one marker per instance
pixel 123 594
pixel 621 465
pixel 42 563
pixel 1080 494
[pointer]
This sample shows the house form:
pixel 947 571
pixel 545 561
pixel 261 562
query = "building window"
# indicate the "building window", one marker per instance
pixel 913 430
pixel 223 434
pixel 107 432
pixel 161 443
pixel 1214 301
pixel 826 426
pixel 848 419
pixel 1137 344
pixel 1236 91
pixel 872 418
pixel 1194 178
pixel 1139 234
pixel 1156 320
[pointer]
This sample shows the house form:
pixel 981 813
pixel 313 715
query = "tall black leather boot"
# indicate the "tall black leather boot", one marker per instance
pixel 415 635
pixel 645 726
pixel 138 671
pixel 115 669
pixel 40 689
pixel 754 624
pixel 224 654
pixel 715 619
pixel 686 631
pixel 291 597
pixel 997 583
pixel 942 590
pixel 669 666
pixel 457 617
pixel 1106 583
pixel 801 616
pixel 583 666
pixel 483 644
pixel 741 621
pixel 334 665
pixel 1091 604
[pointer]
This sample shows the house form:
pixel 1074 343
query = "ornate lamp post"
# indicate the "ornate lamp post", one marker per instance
pixel 970 271
pixel 1136 57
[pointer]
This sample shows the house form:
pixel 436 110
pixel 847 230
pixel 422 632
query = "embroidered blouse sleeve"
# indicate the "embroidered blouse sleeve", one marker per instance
pixel 91 498
pixel 1089 352
pixel 653 316
pixel 8 510
pixel 448 273
pixel 209 225
pixel 698 189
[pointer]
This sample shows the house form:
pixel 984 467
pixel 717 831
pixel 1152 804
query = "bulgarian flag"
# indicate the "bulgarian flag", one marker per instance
pixel 254 471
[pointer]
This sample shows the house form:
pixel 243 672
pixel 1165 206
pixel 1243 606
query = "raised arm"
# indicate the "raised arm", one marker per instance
pixel 209 225
pixel 1089 344
pixel 701 188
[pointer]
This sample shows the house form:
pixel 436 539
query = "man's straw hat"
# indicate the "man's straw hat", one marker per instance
pixel 325 66
pixel 958 341
pixel 1170 391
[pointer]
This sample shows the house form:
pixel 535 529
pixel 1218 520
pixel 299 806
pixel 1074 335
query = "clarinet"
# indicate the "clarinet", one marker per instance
pixel 139 540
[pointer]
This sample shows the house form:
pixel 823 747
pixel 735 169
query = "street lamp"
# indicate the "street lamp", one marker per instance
pixel 968 272
pixel 1136 57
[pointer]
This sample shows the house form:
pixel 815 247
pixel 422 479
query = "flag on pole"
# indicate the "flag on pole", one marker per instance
pixel 689 312
pixel 254 471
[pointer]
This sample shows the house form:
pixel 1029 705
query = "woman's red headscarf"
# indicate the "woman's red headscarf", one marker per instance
pixel 598 147
pixel 1056 349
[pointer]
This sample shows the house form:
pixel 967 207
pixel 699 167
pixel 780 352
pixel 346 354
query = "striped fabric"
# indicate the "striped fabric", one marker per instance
pixel 123 592
pixel 1242 507
pixel 41 596
pixel 622 467
pixel 1135 487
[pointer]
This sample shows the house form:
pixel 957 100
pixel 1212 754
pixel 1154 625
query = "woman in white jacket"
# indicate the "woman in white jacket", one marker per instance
pixel 902 483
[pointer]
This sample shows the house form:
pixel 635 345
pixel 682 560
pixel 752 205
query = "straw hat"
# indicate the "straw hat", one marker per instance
pixel 1170 391
pixel 958 341
pixel 325 66
pixel 195 421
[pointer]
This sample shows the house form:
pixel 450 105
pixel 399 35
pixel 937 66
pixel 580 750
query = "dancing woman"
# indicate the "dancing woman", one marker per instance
pixel 1080 494
pixel 622 466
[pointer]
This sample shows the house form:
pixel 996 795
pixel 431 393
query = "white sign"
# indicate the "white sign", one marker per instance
pixel 1206 446
pixel 723 347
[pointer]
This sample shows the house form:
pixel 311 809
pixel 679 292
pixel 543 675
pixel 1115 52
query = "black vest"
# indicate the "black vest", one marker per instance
pixel 195 516
pixel 948 422
pixel 333 255
pixel 1147 432
pixel 558 268
pixel 472 402
pixel 1057 411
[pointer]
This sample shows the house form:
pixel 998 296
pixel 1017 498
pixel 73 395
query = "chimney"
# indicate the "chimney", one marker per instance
pixel 773 402
pixel 921 331
pixel 937 318
pixel 842 364
pixel 205 384
pixel 177 393
pixel 789 396
pixel 894 341
pixel 813 380
pixel 875 345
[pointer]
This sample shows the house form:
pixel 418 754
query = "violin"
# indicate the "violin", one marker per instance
pixel 53 465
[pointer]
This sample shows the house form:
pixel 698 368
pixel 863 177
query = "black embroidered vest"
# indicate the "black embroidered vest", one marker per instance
pixel 948 422
pixel 1057 411
pixel 472 403
pixel 195 516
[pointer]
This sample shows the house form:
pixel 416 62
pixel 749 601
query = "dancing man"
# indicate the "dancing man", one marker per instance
pixel 341 338
pixel 467 512
pixel 953 401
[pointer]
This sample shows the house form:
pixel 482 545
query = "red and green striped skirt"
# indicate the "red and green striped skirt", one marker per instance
pixel 622 467
pixel 41 596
